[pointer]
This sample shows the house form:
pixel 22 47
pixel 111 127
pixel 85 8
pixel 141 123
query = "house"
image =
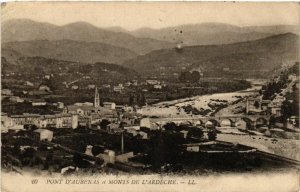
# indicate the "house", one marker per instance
pixel 25 119
pixel 152 82
pixel 28 83
pixel 275 108
pixel 119 88
pixel 6 122
pixel 60 105
pixel 47 121
pixel 264 104
pixel 106 86
pixel 47 76
pixel 109 105
pixel 16 99
pixel 129 118
pixel 44 88
pixel 44 134
pixel 84 104
pixel 6 92
pixel 157 87
pixel 127 108
pixel 38 93
pixel 66 121
pixel 74 87
pixel 88 150
pixel 193 148
pixel 86 77
pixel 91 86
pixel 184 133
pixel 38 102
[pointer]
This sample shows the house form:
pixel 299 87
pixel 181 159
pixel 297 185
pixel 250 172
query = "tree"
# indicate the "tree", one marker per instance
pixel 104 123
pixel 170 126
pixel 289 109
pixel 272 121
pixel 212 135
pixel 185 76
pixel 195 132
pixel 195 77
pixel 256 104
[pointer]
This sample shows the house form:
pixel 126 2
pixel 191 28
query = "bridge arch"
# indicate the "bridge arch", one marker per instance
pixel 226 123
pixel 189 123
pixel 261 121
pixel 211 123
pixel 244 123
pixel 198 122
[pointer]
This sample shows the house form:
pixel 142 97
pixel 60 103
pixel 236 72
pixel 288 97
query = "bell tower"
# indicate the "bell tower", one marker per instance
pixel 97 98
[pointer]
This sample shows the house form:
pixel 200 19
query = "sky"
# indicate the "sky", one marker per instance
pixel 134 15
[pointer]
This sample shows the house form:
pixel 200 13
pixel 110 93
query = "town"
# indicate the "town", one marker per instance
pixel 127 136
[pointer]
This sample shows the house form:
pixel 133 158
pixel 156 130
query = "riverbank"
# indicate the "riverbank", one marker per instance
pixel 204 104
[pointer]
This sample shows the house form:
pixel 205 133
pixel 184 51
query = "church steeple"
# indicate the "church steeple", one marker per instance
pixel 97 98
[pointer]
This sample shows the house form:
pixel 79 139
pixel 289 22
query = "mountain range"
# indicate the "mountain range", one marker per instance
pixel 213 33
pixel 208 47
pixel 28 30
pixel 252 57
pixel 70 50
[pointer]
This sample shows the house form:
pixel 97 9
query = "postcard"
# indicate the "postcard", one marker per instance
pixel 150 96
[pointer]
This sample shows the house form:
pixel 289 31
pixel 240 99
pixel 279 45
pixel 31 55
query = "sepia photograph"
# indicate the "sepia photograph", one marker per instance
pixel 150 96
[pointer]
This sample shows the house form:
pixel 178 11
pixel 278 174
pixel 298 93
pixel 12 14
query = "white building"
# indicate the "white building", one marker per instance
pixel 38 102
pixel 109 105
pixel 44 88
pixel 152 82
pixel 157 87
pixel 6 92
pixel 44 134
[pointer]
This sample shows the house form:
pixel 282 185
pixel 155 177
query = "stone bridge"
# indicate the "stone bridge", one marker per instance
pixel 239 121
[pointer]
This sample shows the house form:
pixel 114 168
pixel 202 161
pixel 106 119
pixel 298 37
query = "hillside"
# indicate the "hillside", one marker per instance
pixel 212 33
pixel 69 50
pixel 246 58
pixel 35 68
pixel 28 30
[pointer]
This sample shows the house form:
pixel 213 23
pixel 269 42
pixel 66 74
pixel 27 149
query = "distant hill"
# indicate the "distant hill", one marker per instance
pixel 245 58
pixel 69 50
pixel 212 33
pixel 34 69
pixel 28 30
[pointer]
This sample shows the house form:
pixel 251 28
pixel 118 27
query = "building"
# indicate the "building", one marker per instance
pixel 26 119
pixel 60 105
pixel 16 99
pixel 152 82
pixel 157 87
pixel 97 98
pixel 109 105
pixel 91 86
pixel 44 134
pixel 66 121
pixel 41 121
pixel 38 93
pixel 38 102
pixel 84 104
pixel 6 92
pixel 44 88
pixel 28 83
pixel 74 87
pixel 119 88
